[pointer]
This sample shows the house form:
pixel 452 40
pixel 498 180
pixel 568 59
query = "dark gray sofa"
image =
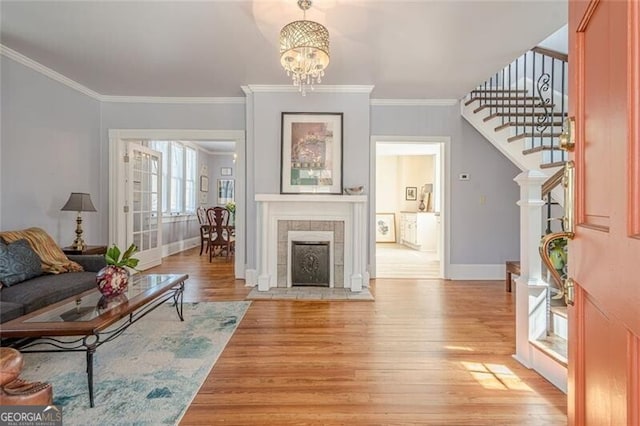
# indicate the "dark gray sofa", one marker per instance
pixel 38 292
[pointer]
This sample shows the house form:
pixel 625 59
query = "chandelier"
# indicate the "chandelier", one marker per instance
pixel 304 50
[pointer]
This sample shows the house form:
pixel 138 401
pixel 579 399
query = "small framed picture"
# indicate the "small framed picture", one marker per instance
pixel 225 171
pixel 385 228
pixel 411 193
pixel 204 184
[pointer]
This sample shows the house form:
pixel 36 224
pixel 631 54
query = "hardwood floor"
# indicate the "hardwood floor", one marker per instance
pixel 425 352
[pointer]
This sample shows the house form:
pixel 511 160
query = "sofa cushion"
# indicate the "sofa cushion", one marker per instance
pixel 47 289
pixel 18 262
pixel 10 310
pixel 52 257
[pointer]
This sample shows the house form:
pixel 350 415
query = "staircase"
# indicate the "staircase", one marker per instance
pixel 521 110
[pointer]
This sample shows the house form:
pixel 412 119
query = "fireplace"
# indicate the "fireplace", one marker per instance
pixel 336 221
pixel 310 263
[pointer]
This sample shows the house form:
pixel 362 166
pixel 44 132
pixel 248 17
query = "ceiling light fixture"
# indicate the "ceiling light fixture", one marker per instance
pixel 304 50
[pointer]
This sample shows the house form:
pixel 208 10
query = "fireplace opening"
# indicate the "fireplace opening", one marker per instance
pixel 310 263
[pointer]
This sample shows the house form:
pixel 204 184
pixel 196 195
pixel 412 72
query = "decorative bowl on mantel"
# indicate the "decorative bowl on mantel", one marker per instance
pixel 354 190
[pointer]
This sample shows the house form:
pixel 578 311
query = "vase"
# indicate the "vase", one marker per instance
pixel 421 207
pixel 112 280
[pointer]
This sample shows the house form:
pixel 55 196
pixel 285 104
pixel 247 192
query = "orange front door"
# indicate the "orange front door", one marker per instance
pixel 604 335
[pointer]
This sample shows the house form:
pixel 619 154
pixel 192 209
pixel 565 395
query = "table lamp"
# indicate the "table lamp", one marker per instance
pixel 79 202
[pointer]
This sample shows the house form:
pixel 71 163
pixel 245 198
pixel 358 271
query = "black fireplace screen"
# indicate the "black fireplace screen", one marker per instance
pixel 310 263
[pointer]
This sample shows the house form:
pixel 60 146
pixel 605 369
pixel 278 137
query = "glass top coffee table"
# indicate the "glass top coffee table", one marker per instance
pixel 87 321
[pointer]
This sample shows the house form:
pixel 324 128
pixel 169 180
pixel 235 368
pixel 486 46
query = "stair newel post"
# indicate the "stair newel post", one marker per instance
pixel 564 67
pixel 531 204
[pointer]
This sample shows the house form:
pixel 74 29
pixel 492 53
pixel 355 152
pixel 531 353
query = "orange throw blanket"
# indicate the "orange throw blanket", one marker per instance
pixel 52 257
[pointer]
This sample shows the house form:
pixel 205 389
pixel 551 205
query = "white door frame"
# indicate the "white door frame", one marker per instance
pixel 117 149
pixel 444 177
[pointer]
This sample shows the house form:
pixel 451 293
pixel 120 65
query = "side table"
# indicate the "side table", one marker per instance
pixel 87 250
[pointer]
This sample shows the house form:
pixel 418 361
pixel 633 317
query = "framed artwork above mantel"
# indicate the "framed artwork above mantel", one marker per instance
pixel 311 153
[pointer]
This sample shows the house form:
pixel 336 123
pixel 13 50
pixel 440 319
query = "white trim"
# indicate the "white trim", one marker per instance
pixel 54 75
pixel 549 368
pixel 172 100
pixel 288 88
pixel 445 201
pixel 460 271
pixel 178 246
pixel 414 102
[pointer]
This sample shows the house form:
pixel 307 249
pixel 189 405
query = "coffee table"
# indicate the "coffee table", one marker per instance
pixel 87 321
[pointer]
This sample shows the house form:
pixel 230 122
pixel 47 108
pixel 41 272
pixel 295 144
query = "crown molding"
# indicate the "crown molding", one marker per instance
pixel 54 75
pixel 414 102
pixel 172 100
pixel 289 88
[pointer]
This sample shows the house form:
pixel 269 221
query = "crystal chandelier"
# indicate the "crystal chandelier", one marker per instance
pixel 304 50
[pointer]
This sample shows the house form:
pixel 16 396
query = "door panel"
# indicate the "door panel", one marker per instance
pixel 145 210
pixel 604 256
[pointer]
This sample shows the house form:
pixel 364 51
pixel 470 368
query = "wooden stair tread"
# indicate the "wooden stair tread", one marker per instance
pixel 502 98
pixel 538 106
pixel 499 91
pixel 523 114
pixel 552 165
pixel 540 148
pixel 554 346
pixel 527 124
pixel 535 135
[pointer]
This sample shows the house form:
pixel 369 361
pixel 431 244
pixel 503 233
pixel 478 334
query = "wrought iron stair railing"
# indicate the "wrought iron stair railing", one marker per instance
pixel 529 96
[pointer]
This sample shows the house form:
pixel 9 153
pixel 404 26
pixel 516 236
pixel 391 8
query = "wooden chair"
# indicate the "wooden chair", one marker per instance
pixel 204 228
pixel 220 235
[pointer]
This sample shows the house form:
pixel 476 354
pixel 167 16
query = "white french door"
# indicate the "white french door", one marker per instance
pixel 144 215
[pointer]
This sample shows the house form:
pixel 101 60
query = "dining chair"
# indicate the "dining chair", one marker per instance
pixel 204 228
pixel 220 236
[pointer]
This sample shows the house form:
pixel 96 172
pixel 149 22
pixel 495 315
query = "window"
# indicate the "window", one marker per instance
pixel 178 176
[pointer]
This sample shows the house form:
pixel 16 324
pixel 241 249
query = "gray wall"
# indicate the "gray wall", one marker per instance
pixel 480 234
pixel 216 162
pixel 263 150
pixel 50 148
pixel 54 139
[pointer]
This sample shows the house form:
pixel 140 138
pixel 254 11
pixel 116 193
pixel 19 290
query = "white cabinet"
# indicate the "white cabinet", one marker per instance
pixel 419 230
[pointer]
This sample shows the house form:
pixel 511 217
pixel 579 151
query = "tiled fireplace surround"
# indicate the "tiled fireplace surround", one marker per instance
pixel 306 230
pixel 339 219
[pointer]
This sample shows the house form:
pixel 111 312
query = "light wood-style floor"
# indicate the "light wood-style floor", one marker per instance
pixel 425 352
pixel 395 260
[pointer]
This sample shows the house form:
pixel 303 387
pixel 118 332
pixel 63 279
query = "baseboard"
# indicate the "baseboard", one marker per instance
pixel 251 277
pixel 459 271
pixel 178 246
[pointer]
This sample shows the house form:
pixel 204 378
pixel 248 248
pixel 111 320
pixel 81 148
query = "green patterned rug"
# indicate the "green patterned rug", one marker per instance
pixel 147 376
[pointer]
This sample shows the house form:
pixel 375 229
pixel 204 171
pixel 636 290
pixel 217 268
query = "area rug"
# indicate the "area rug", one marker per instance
pixel 310 294
pixel 147 376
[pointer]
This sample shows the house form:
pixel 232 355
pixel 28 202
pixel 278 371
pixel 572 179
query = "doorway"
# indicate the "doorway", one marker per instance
pixel 408 207
pixel 119 141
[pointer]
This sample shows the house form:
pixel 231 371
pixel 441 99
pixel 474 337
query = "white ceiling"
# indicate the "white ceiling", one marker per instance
pixel 217 147
pixel 407 49
pixel 400 148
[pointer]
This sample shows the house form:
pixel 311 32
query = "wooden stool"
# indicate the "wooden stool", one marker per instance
pixel 512 267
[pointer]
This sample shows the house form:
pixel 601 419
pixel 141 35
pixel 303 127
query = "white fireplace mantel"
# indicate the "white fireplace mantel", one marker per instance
pixel 350 209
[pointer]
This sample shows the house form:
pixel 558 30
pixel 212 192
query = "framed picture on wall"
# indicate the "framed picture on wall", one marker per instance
pixel 226 191
pixel 204 184
pixel 385 228
pixel 411 193
pixel 225 171
pixel 311 156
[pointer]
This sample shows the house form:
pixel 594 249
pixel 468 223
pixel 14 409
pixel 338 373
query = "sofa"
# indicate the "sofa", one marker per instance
pixel 58 277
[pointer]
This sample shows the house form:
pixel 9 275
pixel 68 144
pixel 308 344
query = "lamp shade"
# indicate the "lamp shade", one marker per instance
pixel 79 202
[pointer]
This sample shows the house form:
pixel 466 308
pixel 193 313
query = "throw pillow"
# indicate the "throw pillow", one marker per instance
pixel 18 262
pixel 52 257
